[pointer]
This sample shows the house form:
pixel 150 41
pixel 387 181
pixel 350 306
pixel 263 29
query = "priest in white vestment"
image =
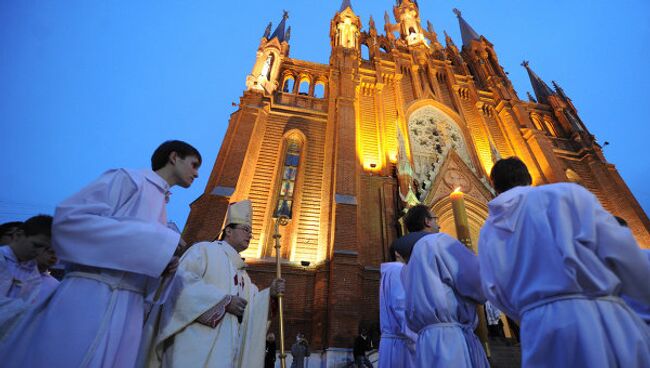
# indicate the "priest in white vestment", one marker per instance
pixel 113 235
pixel 553 259
pixel 441 279
pixel 216 317
pixel 397 346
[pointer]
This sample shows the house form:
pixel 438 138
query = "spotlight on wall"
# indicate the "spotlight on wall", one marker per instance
pixel 305 263
pixel 373 165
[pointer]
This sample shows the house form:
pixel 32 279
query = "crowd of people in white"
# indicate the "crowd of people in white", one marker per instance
pixel 135 295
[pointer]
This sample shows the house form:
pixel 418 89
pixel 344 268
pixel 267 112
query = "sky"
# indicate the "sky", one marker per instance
pixel 91 85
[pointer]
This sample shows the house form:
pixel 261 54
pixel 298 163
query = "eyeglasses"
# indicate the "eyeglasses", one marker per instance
pixel 247 230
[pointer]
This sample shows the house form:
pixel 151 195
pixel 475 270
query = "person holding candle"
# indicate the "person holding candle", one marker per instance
pixel 442 286
pixel 553 259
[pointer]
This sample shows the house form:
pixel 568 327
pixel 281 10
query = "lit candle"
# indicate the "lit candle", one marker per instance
pixel 460 217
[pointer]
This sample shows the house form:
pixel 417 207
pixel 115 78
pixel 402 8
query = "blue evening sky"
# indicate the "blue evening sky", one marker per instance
pixel 91 85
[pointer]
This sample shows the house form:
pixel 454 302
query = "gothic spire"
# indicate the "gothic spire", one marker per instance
pixel 371 24
pixel 280 30
pixel 559 90
pixel 530 97
pixel 346 4
pixel 267 31
pixel 542 90
pixel 448 40
pixel 467 32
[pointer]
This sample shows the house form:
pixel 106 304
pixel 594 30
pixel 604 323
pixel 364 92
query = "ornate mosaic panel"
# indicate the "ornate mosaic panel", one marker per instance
pixel 433 134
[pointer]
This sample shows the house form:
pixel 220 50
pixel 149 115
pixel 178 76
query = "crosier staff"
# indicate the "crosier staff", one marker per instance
pixel 282 220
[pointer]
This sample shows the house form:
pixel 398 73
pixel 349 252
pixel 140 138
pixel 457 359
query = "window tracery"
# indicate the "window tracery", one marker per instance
pixel 433 135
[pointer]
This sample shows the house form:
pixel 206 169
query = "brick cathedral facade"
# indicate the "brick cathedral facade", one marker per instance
pixel 394 119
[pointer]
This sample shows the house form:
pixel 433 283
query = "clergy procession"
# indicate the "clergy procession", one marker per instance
pixel 134 294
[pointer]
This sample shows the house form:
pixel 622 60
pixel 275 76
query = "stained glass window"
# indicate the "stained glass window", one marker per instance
pixel 289 170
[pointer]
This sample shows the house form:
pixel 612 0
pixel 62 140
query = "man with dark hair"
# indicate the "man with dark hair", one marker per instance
pixel 442 284
pixel 19 274
pixel 420 218
pixel 44 262
pixel 113 234
pixel 509 173
pixel 299 351
pixel 9 231
pixel 163 154
pixel 553 259
pixel 270 352
pixel 19 277
pixel 362 344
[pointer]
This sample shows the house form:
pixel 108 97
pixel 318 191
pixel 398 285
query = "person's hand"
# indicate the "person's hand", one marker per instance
pixel 236 306
pixel 172 266
pixel 277 287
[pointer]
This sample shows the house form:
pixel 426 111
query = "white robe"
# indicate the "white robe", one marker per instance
pixel 641 309
pixel 209 272
pixel 397 346
pixel 554 259
pixel 113 233
pixel 48 285
pixel 443 288
pixel 19 285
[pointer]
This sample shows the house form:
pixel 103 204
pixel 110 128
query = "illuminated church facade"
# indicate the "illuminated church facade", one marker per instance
pixel 393 120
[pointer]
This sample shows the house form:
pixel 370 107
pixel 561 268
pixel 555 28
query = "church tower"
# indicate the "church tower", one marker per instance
pixel 394 119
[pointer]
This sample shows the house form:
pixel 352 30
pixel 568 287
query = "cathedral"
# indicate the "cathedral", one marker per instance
pixel 395 119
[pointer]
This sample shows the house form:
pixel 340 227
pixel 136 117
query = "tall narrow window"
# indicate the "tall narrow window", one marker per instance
pixel 289 173
pixel 537 120
pixel 550 126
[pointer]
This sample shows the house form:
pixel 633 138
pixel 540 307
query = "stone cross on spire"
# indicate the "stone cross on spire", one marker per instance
pixel 466 31
pixel 280 30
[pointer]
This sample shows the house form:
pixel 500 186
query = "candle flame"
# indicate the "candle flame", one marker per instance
pixel 457 189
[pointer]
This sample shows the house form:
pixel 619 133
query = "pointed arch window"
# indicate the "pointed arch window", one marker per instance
pixel 365 52
pixel 288 85
pixel 289 173
pixel 550 126
pixel 537 121
pixel 319 90
pixel 303 89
